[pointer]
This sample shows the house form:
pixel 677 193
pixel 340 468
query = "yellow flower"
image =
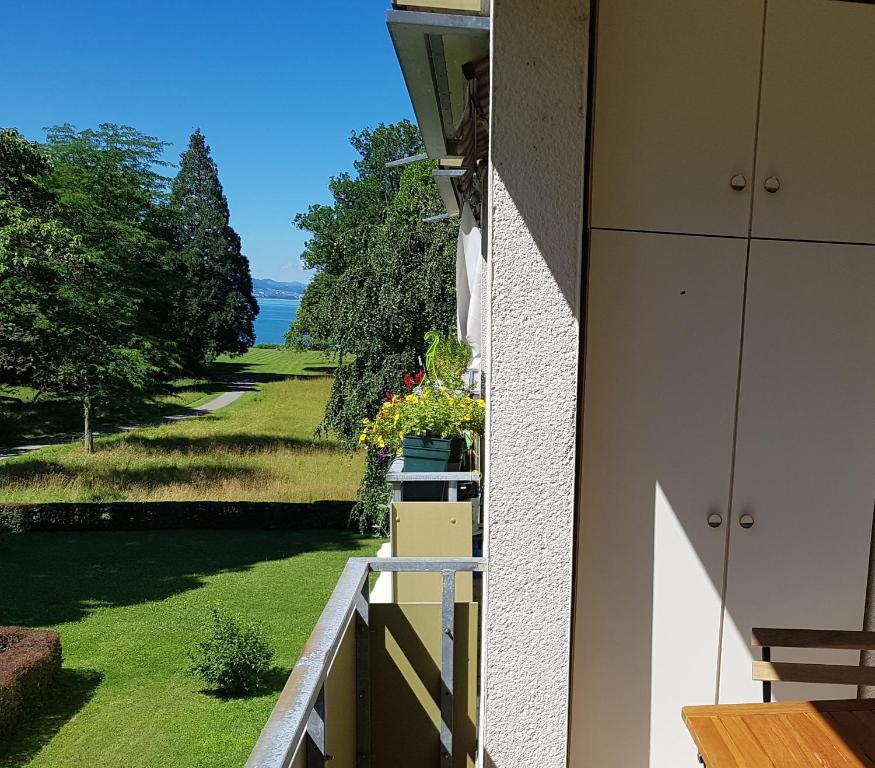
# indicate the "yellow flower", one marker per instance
pixel 387 406
pixel 450 400
pixel 380 442
pixel 397 416
pixel 481 403
pixel 411 398
pixel 362 437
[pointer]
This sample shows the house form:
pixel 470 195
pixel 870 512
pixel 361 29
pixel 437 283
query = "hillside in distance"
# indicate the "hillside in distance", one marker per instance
pixel 273 289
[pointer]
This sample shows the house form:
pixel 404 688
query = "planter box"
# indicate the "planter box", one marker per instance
pixel 427 454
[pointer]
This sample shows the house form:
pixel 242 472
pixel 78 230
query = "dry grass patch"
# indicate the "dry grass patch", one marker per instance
pixel 261 448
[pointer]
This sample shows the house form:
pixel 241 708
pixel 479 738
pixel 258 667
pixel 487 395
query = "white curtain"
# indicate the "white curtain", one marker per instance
pixel 468 266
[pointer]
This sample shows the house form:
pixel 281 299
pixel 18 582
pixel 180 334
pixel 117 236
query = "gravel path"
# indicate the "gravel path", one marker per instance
pixel 237 391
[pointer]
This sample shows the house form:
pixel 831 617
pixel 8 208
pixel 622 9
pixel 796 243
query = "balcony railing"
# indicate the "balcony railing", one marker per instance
pixel 296 733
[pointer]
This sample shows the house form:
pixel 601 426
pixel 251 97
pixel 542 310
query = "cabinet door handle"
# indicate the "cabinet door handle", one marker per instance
pixel 746 521
pixel 738 182
pixel 715 519
pixel 772 184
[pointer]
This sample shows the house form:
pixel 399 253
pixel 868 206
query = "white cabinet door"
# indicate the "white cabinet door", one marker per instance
pixel 675 115
pixel 662 350
pixel 805 456
pixel 817 123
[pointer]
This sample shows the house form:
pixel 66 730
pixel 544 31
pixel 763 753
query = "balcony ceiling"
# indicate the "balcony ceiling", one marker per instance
pixel 432 48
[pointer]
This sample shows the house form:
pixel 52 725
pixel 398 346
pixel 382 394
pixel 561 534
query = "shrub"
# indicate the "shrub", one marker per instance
pixel 234 658
pixel 29 661
pixel 158 515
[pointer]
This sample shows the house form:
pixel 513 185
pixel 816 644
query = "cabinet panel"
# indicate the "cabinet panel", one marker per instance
pixel 663 336
pixel 817 123
pixel 805 456
pixel 675 114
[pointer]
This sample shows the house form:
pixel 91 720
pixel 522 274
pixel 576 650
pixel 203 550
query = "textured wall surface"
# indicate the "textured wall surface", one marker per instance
pixel 537 187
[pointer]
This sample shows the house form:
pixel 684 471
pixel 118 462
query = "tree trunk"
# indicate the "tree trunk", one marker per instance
pixel 88 411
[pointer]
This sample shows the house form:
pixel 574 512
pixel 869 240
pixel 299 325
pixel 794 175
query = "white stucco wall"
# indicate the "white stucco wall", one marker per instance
pixel 537 143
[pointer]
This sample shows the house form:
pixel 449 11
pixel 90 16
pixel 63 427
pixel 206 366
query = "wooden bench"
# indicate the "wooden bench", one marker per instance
pixel 768 671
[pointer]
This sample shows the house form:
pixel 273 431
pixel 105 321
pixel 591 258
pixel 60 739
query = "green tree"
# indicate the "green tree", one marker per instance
pixel 68 324
pixel 37 253
pixel 116 323
pixel 217 308
pixel 384 278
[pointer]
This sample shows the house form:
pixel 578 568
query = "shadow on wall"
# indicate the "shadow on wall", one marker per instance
pixel 50 578
pixel 538 150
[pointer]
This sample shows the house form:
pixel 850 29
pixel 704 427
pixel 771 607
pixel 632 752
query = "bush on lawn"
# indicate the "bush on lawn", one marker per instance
pixel 29 661
pixel 234 658
pixel 157 515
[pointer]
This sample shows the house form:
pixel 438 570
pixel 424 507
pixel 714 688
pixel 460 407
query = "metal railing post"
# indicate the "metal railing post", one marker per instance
pixel 316 733
pixel 448 616
pixel 363 678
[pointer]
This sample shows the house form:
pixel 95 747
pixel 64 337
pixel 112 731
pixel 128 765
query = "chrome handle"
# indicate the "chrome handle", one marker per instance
pixel 772 184
pixel 738 182
pixel 715 519
pixel 746 521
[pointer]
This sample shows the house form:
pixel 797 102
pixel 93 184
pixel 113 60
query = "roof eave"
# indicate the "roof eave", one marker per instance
pixel 415 35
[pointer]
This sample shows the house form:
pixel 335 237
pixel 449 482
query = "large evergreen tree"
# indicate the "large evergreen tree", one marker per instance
pixel 217 308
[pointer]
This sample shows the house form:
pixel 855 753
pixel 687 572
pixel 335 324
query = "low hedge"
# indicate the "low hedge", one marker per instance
pixel 29 661
pixel 146 515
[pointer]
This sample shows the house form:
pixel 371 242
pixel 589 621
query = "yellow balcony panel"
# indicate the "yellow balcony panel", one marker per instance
pixel 478 7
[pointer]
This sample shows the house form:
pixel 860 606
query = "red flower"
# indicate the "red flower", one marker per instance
pixel 419 377
pixel 408 381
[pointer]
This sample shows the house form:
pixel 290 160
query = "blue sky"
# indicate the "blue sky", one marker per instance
pixel 275 85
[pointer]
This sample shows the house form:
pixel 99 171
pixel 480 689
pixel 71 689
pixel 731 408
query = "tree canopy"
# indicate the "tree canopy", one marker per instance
pixel 95 265
pixel 40 264
pixel 384 278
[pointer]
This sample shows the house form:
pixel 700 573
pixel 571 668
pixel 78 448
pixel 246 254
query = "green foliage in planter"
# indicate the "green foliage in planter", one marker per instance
pixel 234 657
pixel 447 358
pixel 29 661
pixel 432 411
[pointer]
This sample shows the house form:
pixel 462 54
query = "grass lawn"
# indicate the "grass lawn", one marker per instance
pixel 128 606
pixel 260 448
pixel 25 415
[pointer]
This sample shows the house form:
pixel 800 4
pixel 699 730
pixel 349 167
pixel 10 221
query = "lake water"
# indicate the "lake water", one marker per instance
pixel 274 318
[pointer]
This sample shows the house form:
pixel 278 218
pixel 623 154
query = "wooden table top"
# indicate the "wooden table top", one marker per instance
pixel 802 734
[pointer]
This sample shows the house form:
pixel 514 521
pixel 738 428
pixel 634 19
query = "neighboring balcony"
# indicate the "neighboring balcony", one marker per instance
pixel 390 675
pixel 384 685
